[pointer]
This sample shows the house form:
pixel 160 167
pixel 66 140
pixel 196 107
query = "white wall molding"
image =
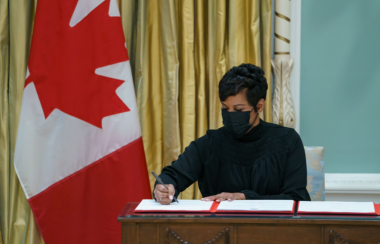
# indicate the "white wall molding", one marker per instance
pixel 352 187
pixel 295 52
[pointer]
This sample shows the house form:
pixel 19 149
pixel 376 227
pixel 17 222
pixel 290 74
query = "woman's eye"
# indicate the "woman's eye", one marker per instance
pixel 224 108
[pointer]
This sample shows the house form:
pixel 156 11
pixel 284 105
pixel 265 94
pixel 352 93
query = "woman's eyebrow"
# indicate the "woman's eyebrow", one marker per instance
pixel 239 105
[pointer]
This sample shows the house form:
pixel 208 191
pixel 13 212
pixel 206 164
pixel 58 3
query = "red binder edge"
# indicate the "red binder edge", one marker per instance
pixel 255 211
pixel 377 208
pixel 377 211
pixel 214 207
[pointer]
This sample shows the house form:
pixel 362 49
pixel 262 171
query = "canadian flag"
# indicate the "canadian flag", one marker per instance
pixel 79 153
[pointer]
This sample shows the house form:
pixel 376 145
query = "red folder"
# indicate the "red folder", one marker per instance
pixel 214 209
pixel 377 212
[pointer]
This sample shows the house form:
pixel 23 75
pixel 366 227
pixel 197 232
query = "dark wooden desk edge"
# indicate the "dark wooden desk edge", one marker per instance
pixel 240 220
pixel 252 221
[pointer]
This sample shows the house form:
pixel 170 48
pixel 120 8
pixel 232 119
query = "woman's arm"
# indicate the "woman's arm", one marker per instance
pixel 188 167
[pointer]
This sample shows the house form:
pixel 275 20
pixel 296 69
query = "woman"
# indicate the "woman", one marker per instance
pixel 247 158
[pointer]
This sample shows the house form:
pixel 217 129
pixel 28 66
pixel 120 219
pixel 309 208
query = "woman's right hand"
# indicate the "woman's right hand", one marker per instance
pixel 163 195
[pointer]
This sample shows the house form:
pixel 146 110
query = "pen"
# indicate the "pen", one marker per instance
pixel 162 183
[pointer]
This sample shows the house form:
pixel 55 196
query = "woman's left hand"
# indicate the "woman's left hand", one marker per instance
pixel 225 196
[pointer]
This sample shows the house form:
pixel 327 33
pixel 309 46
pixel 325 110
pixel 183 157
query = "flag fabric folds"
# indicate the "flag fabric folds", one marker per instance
pixel 79 153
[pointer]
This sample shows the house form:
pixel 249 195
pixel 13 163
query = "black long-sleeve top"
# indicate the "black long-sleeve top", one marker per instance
pixel 267 163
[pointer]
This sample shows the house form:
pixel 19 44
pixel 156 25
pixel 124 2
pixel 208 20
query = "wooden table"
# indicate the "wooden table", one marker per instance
pixel 246 228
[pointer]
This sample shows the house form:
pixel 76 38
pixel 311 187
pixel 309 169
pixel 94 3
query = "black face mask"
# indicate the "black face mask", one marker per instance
pixel 237 122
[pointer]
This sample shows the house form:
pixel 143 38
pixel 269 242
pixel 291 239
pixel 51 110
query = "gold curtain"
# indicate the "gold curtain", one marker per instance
pixel 16 22
pixel 179 51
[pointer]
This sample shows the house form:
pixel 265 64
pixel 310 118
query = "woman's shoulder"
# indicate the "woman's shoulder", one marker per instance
pixel 210 136
pixel 204 140
pixel 289 135
pixel 279 129
pixel 217 133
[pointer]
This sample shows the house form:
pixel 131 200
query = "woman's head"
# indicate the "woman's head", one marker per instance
pixel 247 80
pixel 242 89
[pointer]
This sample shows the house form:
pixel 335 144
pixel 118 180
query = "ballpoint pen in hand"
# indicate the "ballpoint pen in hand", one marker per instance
pixel 162 183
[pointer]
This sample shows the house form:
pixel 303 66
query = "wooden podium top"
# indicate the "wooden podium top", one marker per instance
pixel 128 216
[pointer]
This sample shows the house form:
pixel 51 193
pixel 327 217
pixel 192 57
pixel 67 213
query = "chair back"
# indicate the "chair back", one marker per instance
pixel 315 173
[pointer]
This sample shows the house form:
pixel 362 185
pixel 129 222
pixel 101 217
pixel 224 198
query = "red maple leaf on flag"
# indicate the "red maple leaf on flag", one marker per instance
pixel 63 61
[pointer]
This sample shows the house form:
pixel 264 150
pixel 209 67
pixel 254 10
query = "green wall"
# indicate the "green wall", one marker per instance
pixel 340 82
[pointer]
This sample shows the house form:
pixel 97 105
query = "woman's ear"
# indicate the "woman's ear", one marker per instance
pixel 260 105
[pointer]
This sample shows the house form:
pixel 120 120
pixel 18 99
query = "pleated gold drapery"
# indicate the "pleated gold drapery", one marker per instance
pixel 179 51
pixel 16 21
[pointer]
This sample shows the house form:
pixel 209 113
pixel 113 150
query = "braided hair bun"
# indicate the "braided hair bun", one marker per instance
pixel 244 76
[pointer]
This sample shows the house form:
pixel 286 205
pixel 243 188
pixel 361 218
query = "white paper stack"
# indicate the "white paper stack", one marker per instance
pixel 338 207
pixel 278 206
pixel 148 205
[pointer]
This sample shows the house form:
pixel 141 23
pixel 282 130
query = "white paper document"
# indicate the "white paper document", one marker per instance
pixel 336 207
pixel 257 205
pixel 183 205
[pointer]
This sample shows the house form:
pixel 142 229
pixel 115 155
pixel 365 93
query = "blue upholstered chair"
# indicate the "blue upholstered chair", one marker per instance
pixel 315 173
